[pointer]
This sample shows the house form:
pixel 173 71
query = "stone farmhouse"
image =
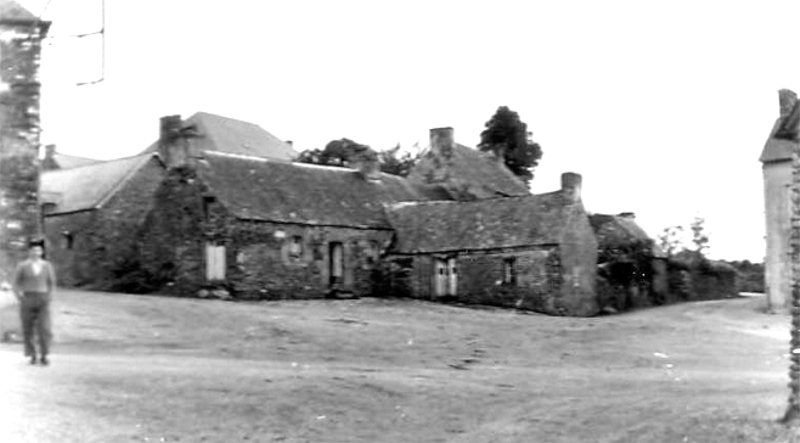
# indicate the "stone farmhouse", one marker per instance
pixel 216 206
pixel 536 252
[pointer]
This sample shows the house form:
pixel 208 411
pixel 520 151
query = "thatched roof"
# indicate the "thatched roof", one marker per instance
pixel 621 232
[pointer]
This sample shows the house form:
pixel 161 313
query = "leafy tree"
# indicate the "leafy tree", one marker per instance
pixel 508 137
pixel 670 240
pixel 699 236
pixel 336 153
pixel 343 151
pixel 392 163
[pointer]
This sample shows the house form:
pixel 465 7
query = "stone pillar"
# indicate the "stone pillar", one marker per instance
pixel 793 411
pixel 21 36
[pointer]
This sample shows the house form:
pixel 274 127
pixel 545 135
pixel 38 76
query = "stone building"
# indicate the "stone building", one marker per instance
pixel 21 35
pixel 266 229
pixel 216 206
pixel 93 211
pixel 451 171
pixel 776 159
pixel 533 252
pixel 91 215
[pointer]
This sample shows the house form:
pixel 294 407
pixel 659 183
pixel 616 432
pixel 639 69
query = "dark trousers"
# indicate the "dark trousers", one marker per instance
pixel 35 314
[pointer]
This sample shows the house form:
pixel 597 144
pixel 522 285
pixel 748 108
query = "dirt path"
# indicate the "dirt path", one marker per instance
pixel 154 369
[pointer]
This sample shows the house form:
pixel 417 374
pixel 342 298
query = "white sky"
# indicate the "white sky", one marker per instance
pixel 663 107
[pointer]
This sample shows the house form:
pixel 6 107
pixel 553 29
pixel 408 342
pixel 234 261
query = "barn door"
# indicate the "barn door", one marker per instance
pixel 452 274
pixel 440 278
pixel 215 262
pixel 336 265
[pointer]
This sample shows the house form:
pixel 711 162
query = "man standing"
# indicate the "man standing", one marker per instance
pixel 34 284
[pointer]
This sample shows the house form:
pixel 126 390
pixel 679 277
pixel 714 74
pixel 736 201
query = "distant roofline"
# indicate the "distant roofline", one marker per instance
pixel 97 162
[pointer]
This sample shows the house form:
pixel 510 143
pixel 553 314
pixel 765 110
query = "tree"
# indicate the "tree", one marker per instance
pixel 508 137
pixel 343 151
pixel 699 236
pixel 401 165
pixel 670 240
pixel 336 153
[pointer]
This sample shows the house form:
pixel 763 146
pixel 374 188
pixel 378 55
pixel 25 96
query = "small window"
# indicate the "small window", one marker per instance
pixel 509 271
pixel 68 240
pixel 373 253
pixel 208 202
pixel 296 248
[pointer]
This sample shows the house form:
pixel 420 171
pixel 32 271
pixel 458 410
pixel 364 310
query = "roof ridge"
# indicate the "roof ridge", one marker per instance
pixel 242 156
pixel 96 163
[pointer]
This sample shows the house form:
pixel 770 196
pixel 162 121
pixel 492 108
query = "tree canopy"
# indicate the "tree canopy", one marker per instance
pixel 341 152
pixel 508 137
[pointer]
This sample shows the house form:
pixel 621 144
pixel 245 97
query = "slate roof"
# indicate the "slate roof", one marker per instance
pixel 88 187
pixel 614 231
pixel 65 161
pixel 263 189
pixel 11 10
pixel 477 168
pixel 223 134
pixel 777 149
pixel 442 226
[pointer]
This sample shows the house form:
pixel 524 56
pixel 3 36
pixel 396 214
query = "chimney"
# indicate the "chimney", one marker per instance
pixel 49 151
pixel 571 185
pixel 366 162
pixel 442 142
pixel 290 143
pixel 787 99
pixel 173 141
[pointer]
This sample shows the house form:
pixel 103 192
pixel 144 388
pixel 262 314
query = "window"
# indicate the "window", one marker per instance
pixel 215 262
pixel 295 248
pixel 509 271
pixel 208 201
pixel 68 240
pixel 372 253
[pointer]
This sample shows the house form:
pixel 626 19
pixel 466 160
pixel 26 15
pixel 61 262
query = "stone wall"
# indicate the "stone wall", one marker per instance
pixel 483 277
pixel 20 49
pixel 98 248
pixel 777 182
pixel 578 295
pixel 262 259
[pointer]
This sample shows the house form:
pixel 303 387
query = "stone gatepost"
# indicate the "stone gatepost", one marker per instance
pixel 21 35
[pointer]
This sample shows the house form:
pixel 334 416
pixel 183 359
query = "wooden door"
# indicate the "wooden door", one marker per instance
pixel 452 274
pixel 336 263
pixel 440 278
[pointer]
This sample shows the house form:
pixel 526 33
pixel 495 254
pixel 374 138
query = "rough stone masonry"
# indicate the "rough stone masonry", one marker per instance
pixel 21 36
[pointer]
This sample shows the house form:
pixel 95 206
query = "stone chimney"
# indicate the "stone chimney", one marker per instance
pixel 365 162
pixel 787 99
pixel 174 146
pixel 49 162
pixel 571 185
pixel 442 142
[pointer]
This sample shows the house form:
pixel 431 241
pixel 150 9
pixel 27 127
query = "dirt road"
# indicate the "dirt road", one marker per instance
pixel 135 368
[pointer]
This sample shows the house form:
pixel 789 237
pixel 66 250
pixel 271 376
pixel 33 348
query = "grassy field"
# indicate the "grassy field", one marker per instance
pixel 138 368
